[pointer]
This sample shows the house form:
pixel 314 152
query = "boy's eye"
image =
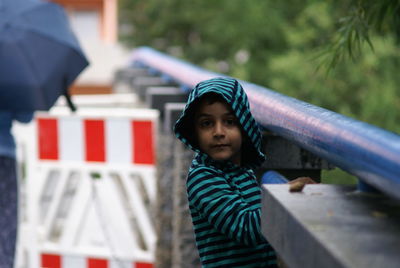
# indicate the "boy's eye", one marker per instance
pixel 205 123
pixel 230 121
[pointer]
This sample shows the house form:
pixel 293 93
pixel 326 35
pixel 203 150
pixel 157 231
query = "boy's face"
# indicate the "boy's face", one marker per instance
pixel 218 132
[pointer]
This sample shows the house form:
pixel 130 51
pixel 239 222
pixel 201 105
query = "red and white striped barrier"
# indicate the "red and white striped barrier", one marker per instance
pixel 91 139
pixel 76 215
pixel 58 261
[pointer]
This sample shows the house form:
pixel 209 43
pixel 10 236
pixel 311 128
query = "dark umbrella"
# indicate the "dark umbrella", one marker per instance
pixel 40 56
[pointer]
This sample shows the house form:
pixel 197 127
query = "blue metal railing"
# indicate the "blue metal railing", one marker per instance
pixel 370 153
pixel 273 177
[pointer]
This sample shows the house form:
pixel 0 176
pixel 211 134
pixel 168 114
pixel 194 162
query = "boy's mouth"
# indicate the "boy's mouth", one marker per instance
pixel 219 145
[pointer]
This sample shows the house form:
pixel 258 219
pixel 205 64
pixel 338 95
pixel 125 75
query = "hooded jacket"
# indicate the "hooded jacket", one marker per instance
pixel 224 199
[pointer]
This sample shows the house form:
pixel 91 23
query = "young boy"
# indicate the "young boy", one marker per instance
pixel 224 197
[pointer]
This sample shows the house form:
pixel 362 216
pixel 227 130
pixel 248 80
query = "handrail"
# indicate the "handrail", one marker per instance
pixel 368 152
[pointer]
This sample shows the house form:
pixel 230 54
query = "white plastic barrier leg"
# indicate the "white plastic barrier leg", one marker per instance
pixel 91 189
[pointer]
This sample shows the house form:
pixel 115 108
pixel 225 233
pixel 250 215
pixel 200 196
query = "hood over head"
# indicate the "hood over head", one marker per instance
pixel 232 92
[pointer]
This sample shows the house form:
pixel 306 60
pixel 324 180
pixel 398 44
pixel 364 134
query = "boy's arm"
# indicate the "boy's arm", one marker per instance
pixel 224 209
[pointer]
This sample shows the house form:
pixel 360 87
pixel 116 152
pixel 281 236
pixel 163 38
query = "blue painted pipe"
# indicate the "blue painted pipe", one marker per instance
pixel 370 153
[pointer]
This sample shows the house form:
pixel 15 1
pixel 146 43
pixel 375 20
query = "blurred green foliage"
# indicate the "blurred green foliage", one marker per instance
pixel 337 54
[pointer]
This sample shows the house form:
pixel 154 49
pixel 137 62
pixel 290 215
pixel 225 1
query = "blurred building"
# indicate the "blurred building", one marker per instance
pixel 95 23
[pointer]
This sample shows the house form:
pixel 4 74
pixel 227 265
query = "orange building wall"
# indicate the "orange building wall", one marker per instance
pixel 108 15
pixel 107 28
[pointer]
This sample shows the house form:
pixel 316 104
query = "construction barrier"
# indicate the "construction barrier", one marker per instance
pixel 90 189
pixel 96 139
pixel 57 261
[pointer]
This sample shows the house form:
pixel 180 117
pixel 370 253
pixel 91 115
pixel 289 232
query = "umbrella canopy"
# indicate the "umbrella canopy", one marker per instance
pixel 40 56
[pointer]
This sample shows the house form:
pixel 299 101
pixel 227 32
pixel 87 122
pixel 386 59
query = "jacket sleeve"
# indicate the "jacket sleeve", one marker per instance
pixel 223 208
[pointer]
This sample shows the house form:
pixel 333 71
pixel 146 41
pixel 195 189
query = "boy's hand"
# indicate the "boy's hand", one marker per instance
pixel 305 180
pixel 298 184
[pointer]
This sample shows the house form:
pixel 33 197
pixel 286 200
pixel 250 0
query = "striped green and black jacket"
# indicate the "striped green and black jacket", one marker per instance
pixel 224 199
pixel 224 202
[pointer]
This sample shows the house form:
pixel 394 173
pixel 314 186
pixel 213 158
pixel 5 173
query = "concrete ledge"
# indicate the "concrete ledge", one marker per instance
pixel 172 112
pixel 157 97
pixel 126 74
pixel 284 154
pixel 141 84
pixel 331 226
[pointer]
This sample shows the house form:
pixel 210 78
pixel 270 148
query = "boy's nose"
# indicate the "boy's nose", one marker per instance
pixel 219 129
